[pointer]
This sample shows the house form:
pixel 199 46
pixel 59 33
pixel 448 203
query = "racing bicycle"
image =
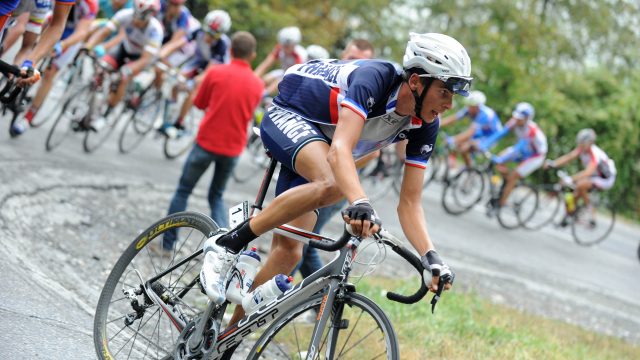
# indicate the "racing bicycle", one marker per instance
pixel 153 305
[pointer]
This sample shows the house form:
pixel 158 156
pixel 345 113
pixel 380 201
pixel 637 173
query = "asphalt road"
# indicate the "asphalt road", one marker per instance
pixel 65 216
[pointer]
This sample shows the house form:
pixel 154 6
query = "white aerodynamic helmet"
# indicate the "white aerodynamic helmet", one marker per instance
pixel 217 22
pixel 523 110
pixel 476 98
pixel 317 52
pixel 289 36
pixel 586 136
pixel 442 57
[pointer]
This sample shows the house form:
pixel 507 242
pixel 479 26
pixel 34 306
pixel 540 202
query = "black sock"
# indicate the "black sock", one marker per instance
pixel 237 238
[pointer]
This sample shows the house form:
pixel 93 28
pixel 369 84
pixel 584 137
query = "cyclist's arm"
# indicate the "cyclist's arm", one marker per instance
pixel 486 143
pixel 467 134
pixel 98 37
pixel 115 40
pixel 53 32
pixel 340 155
pixel 588 171
pixel 265 65
pixel 410 211
pixel 566 158
pixel 80 34
pixel 178 40
pixel 448 120
pixel 138 65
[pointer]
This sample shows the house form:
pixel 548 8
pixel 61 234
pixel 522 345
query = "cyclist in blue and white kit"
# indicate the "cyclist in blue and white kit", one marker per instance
pixel 328 114
pixel 529 151
pixel 485 122
pixel 211 48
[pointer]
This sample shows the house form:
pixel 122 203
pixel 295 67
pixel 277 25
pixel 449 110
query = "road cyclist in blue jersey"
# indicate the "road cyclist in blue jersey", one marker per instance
pixel 484 123
pixel 529 151
pixel 327 115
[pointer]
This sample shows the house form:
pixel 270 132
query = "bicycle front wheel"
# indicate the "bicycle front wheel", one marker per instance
pixel 357 329
pixel 128 324
pixel 463 191
pixel 520 207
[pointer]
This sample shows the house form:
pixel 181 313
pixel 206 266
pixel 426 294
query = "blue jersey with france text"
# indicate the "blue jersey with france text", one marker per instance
pixel 486 120
pixel 319 89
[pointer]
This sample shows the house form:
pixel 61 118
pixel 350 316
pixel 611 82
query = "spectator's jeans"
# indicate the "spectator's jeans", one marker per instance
pixel 311 261
pixel 197 163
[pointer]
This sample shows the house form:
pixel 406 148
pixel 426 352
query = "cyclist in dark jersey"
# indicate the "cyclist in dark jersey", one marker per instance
pixel 327 115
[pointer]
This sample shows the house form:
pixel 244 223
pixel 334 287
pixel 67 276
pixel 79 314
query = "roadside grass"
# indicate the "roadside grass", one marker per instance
pixel 465 326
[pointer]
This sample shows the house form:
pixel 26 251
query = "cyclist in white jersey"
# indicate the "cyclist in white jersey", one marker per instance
pixel 76 31
pixel 599 170
pixel 136 51
pixel 286 53
pixel 329 113
pixel 529 151
pixel 27 21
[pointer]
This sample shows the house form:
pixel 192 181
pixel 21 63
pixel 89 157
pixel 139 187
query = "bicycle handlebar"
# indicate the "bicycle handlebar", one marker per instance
pixel 415 262
pixel 10 91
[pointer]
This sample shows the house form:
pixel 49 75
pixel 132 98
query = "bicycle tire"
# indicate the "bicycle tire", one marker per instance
pixel 58 82
pixel 61 127
pixel 252 159
pixel 93 140
pixel 105 344
pixel 176 147
pixel 520 207
pixel 549 203
pixel 589 238
pixel 349 302
pixel 456 188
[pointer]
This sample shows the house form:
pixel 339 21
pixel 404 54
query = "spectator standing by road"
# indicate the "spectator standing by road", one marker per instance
pixel 229 94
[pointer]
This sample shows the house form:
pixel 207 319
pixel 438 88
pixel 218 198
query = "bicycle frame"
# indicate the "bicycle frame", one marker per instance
pixel 331 279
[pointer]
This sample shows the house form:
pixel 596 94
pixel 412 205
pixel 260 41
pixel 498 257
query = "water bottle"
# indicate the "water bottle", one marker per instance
pixel 571 201
pixel 266 293
pixel 243 275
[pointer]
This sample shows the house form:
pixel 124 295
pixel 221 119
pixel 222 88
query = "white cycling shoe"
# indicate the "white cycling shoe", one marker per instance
pixel 217 262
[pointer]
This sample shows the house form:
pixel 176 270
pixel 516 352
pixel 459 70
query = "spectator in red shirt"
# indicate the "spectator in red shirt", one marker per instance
pixel 229 94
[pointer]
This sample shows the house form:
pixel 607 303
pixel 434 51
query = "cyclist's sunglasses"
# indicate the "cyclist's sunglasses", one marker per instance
pixel 455 84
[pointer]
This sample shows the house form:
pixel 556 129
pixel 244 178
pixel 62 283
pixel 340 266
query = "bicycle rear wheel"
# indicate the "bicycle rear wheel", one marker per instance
pixel 592 225
pixel 95 139
pixel 74 109
pixel 519 208
pixel 463 191
pixel 360 328
pixel 252 160
pixel 141 121
pixel 127 324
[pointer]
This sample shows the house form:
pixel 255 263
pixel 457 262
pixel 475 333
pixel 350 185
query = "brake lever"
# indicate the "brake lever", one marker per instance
pixel 441 284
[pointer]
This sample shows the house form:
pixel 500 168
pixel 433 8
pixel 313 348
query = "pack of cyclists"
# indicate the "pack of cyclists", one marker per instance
pixel 341 110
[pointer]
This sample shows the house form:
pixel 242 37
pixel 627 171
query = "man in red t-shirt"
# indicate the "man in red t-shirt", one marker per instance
pixel 229 94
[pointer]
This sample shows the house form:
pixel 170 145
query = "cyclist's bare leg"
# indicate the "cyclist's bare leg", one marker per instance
pixel 188 101
pixel 511 181
pixel 116 97
pixel 45 87
pixel 582 190
pixel 319 192
pixel 465 152
pixel 283 257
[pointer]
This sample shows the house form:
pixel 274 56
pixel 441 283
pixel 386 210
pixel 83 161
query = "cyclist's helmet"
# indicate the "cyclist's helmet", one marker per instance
pixel 438 56
pixel 523 110
pixel 217 22
pixel 317 52
pixel 476 98
pixel 289 36
pixel 586 136
pixel 146 8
